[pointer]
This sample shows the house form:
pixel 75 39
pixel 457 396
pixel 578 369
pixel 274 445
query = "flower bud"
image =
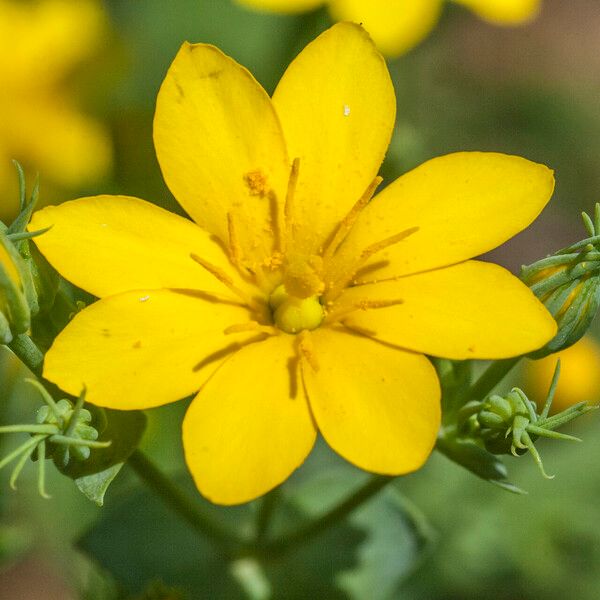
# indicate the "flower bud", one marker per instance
pixel 512 423
pixel 568 283
pixel 15 313
pixel 62 432
pixel 26 279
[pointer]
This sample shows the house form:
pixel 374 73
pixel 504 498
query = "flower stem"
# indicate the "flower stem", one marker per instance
pixel 264 515
pixel 26 350
pixel 490 378
pixel 181 503
pixel 332 517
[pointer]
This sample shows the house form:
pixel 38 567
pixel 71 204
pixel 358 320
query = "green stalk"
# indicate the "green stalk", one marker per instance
pixel 332 517
pixel 181 503
pixel 264 515
pixel 491 377
pixel 26 350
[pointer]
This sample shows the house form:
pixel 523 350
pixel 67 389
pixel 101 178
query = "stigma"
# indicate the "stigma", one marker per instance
pixel 292 314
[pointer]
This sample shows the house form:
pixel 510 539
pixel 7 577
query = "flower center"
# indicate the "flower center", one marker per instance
pixel 292 314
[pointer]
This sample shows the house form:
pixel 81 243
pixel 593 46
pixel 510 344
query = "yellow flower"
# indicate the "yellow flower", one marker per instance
pixel 40 43
pixel 579 374
pixel 293 303
pixel 399 25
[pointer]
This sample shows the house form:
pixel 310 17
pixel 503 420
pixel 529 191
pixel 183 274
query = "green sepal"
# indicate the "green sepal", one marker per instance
pixel 19 225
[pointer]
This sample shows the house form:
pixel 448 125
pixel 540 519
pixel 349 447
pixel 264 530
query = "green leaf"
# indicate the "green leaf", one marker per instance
pixel 140 539
pixel 393 537
pixel 399 538
pixel 94 475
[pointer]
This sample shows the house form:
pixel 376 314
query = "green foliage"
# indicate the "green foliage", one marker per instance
pixel 138 539
pixel 124 429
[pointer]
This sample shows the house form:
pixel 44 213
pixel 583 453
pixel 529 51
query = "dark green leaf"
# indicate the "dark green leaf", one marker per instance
pixel 94 475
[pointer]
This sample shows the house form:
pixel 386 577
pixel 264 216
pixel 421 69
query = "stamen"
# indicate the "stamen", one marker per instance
pixel 288 209
pixel 275 222
pixel 362 304
pixel 383 244
pixel 222 277
pixel 306 349
pixel 235 249
pixel 337 286
pixel 251 326
pixel 347 223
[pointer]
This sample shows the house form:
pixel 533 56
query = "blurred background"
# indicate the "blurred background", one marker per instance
pixel 78 82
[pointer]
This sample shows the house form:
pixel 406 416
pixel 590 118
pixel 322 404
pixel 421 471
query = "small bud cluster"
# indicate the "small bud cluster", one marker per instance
pixel 62 432
pixel 511 423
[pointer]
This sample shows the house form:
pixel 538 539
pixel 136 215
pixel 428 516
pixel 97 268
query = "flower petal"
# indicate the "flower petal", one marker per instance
pixel 250 426
pixel 123 244
pixel 470 310
pixel 504 12
pixel 377 406
pixel 42 41
pixel 61 142
pixel 395 26
pixel 337 106
pixel 464 204
pixel 142 349
pixel 220 146
pixel 283 6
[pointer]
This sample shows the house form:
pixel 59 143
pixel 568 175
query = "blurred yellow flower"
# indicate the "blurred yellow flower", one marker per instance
pixel 294 302
pixel 579 374
pixel 40 44
pixel 399 25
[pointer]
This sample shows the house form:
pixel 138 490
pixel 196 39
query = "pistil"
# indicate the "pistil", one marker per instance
pixel 292 314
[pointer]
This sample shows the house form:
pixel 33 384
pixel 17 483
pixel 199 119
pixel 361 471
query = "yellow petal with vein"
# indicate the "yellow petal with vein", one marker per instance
pixel 112 244
pixel 220 147
pixel 250 426
pixel 337 107
pixel 463 204
pixel 142 349
pixel 470 310
pixel 376 406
